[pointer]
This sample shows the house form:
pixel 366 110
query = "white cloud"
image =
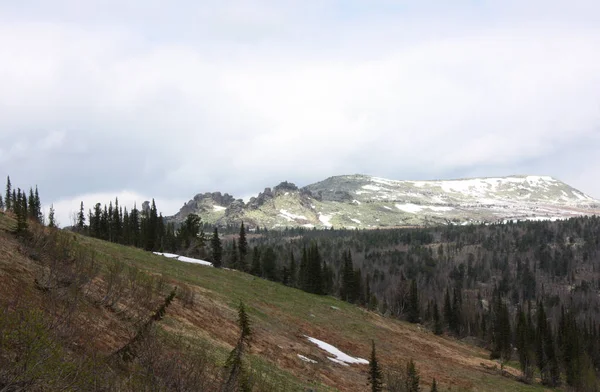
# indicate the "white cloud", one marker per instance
pixel 295 92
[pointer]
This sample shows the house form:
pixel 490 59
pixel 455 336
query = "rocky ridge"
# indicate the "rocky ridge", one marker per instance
pixel 360 201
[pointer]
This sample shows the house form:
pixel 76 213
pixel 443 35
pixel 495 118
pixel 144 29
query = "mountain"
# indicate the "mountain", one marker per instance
pixel 361 201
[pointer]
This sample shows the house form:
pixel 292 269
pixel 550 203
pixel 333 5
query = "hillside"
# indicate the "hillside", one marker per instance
pixel 85 298
pixel 359 201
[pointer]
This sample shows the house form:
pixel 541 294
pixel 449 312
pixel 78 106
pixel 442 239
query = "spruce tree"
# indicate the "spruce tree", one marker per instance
pixel 314 277
pixel 448 313
pixel 255 269
pixel 268 263
pixel 8 199
pixel 434 386
pixel 375 376
pixel 293 270
pixel 412 377
pixel 217 250
pixel 81 218
pixel 438 328
pixel 51 219
pixel 413 303
pixel 236 379
pixel 243 244
pixel 39 216
pixel 31 211
pixel 20 208
pixel 1 203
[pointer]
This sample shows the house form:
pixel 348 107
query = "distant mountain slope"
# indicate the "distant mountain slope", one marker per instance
pixel 360 201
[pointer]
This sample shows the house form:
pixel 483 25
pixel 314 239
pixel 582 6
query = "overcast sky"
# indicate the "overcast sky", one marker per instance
pixel 167 99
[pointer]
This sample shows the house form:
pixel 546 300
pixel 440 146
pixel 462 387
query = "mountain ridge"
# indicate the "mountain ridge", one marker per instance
pixel 364 201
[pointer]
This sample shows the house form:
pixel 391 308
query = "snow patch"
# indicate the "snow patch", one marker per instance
pixel 306 359
pixel 184 259
pixel 219 208
pixel 355 220
pixel 388 208
pixel 409 207
pixel 289 216
pixel 340 357
pixel 371 188
pixel 325 219
pixel 356 202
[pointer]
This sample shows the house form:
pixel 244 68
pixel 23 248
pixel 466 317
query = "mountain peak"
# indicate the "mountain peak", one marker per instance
pixel 365 201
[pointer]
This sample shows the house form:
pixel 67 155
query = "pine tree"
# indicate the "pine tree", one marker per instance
pixel 217 250
pixel 8 199
pixel 347 289
pixel 412 377
pixel 375 376
pixel 51 220
pixel 31 207
pixel 524 345
pixel 314 277
pixel 255 269
pixel 243 244
pixel 434 386
pixel 20 208
pixel 268 263
pixel 1 203
pixel 293 270
pixel 236 378
pixel 437 322
pixel 413 303
pixel 39 216
pixel 81 218
pixel 448 313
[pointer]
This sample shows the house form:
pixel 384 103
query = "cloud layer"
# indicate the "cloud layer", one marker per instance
pixel 171 100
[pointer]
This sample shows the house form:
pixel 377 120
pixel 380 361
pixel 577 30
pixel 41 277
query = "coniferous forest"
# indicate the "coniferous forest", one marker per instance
pixel 527 291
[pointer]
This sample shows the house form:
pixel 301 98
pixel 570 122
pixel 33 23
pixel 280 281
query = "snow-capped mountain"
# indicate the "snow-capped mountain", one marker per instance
pixel 360 201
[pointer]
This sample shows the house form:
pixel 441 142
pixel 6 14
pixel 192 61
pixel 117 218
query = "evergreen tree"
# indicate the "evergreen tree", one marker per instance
pixel 524 345
pixel 81 218
pixel 39 216
pixel 437 322
pixel 293 270
pixel 31 212
pixel 236 377
pixel 217 250
pixel 234 261
pixel 347 289
pixel 51 219
pixel 501 332
pixel 375 376
pixel 434 386
pixel 303 272
pixel 1 203
pixel 255 269
pixel 268 263
pixel 413 303
pixel 20 208
pixel 412 377
pixel 8 199
pixel 457 310
pixel 448 313
pixel 314 277
pixel 243 244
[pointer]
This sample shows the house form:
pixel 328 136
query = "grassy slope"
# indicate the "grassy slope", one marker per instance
pixel 281 316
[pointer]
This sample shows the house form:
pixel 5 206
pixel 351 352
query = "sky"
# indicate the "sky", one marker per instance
pixel 167 99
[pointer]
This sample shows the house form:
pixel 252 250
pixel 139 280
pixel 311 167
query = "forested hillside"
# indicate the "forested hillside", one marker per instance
pixel 528 292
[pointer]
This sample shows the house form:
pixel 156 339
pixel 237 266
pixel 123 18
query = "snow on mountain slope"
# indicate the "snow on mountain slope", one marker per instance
pixel 368 202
